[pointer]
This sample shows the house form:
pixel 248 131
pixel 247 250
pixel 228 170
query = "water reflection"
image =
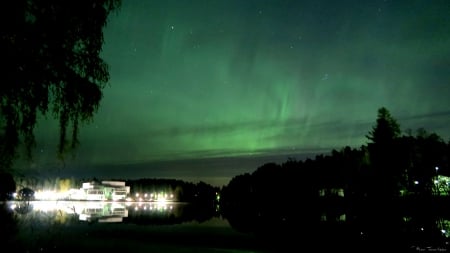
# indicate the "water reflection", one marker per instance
pixel 58 226
pixel 402 226
pixel 357 228
pixel 99 211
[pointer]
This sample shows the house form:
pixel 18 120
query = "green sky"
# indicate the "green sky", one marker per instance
pixel 220 81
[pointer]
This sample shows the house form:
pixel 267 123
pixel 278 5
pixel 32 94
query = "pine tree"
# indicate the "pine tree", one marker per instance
pixel 386 129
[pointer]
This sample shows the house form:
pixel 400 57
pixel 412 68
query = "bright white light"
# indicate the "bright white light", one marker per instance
pixel 437 168
pixel 45 206
pixel 46 195
pixel 161 206
pixel 416 182
pixel 137 194
pixel 443 231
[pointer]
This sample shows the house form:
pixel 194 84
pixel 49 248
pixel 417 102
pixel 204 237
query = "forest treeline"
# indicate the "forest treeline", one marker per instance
pixel 182 191
pixel 388 190
pixel 389 166
pixel 391 193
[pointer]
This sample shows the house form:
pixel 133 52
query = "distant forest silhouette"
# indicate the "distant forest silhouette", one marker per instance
pixel 386 192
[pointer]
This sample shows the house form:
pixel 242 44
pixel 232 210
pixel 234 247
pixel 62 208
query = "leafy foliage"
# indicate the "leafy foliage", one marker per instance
pixel 50 63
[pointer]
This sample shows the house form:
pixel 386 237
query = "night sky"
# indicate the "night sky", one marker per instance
pixel 206 90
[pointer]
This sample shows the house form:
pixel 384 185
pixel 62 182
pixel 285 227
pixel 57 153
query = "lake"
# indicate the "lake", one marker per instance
pixel 59 226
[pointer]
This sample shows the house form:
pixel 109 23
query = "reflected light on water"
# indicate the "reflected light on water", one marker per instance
pixel 90 211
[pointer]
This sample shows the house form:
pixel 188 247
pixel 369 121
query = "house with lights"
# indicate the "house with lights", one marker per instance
pixel 101 191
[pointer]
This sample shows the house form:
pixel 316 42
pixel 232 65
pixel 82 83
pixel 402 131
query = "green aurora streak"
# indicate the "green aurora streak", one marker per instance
pixel 199 79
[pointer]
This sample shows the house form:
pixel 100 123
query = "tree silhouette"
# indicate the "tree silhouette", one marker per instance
pixel 386 128
pixel 427 157
pixel 403 163
pixel 50 63
pixel 7 186
pixel 386 164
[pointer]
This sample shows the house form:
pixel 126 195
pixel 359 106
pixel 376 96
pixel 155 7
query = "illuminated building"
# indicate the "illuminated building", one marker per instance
pixel 106 190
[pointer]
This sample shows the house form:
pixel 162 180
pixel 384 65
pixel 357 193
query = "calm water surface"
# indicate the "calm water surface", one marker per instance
pixel 67 226
pixel 58 226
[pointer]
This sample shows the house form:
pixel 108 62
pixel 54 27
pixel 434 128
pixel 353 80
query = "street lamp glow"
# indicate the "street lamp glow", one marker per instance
pixel 416 182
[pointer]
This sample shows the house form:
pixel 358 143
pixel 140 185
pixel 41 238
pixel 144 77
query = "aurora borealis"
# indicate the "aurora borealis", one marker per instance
pixel 211 89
